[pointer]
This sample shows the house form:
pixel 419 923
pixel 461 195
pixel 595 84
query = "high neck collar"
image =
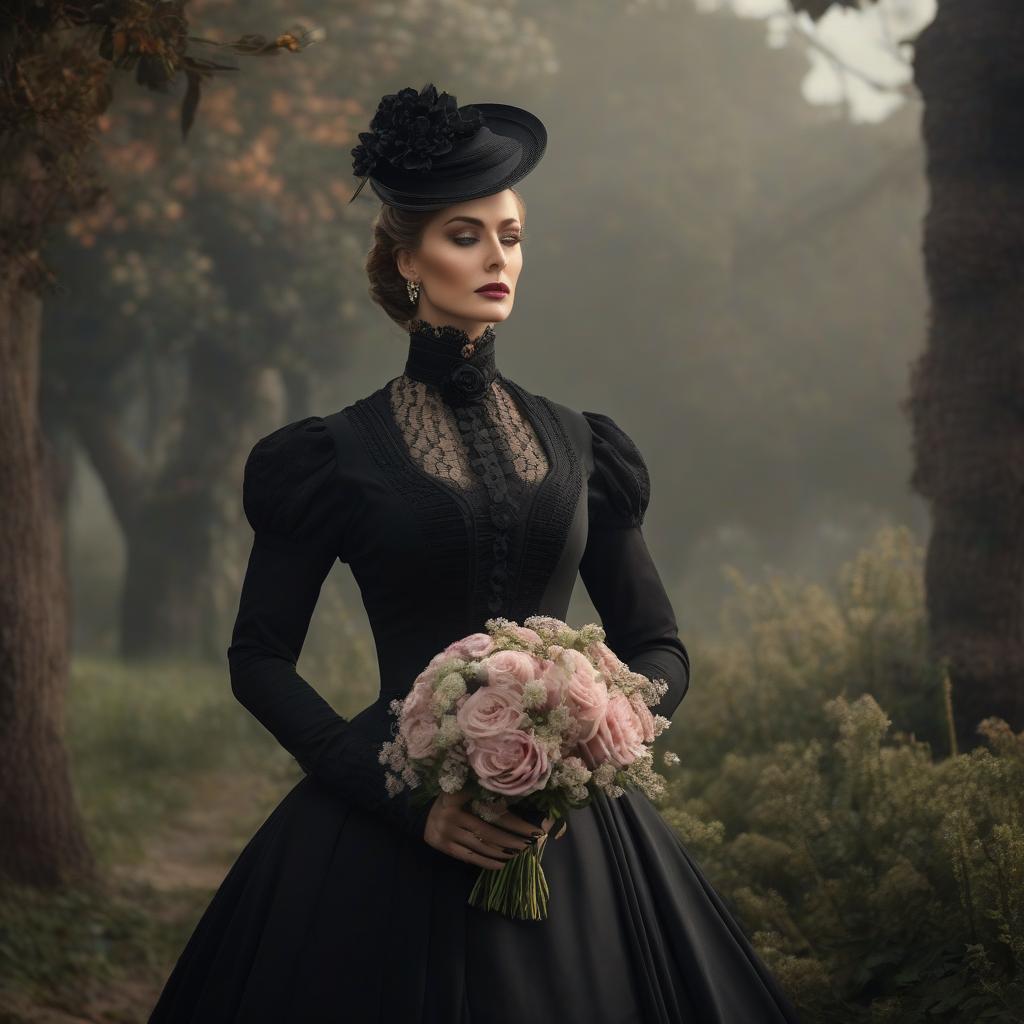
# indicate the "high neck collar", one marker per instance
pixel 448 358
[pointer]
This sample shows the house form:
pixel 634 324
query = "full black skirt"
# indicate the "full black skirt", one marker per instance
pixel 330 916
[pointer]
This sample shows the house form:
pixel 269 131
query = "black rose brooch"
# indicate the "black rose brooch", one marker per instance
pixel 410 128
pixel 463 385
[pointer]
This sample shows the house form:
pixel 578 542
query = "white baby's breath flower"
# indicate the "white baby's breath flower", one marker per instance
pixel 550 742
pixel 560 718
pixel 568 637
pixel 572 771
pixel 394 785
pixel 448 690
pixel 448 733
pixel 448 666
pixel 670 757
pixel 489 810
pixel 498 625
pixel 535 694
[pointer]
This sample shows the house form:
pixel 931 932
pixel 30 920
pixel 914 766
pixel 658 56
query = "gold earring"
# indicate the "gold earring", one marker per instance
pixel 413 289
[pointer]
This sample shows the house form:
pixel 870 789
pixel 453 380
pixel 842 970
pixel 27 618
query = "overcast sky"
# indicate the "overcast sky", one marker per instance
pixel 866 42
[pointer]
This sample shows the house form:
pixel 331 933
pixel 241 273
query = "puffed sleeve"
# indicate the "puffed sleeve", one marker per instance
pixel 618 570
pixel 295 501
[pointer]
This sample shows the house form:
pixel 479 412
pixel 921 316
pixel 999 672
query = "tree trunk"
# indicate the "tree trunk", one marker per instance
pixel 967 389
pixel 176 600
pixel 43 838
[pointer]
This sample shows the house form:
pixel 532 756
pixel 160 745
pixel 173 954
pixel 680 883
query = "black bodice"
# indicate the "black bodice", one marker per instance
pixel 455 495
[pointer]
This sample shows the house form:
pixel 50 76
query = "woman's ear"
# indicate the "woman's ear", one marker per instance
pixel 405 265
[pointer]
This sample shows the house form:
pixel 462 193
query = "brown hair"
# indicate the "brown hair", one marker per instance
pixel 395 229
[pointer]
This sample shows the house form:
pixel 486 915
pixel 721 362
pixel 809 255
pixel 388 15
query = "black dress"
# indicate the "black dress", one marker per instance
pixel 454 495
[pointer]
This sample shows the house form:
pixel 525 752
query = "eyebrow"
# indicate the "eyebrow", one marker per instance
pixel 480 223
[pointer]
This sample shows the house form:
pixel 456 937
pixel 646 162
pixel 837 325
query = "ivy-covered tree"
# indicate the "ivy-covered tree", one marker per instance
pixel 966 399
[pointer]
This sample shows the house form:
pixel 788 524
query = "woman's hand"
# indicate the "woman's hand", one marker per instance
pixel 467 837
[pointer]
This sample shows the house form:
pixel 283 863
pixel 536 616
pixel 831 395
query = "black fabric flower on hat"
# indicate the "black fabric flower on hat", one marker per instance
pixel 410 128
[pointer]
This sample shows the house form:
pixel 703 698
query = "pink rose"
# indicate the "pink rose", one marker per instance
pixel 618 738
pixel 417 701
pixel 490 712
pixel 644 716
pixel 419 732
pixel 476 645
pixel 605 658
pixel 586 694
pixel 555 675
pixel 524 634
pixel 511 669
pixel 513 764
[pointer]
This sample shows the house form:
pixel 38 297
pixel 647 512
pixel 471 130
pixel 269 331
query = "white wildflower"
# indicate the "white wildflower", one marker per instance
pixel 450 782
pixel 448 733
pixel 449 689
pixel 560 719
pixel 535 694
pixel 497 625
pixel 489 810
pixel 570 772
pixel 448 666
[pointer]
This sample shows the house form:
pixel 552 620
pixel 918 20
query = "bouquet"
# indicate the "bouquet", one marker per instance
pixel 540 715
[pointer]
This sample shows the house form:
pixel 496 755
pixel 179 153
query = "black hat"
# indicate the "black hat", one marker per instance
pixel 425 152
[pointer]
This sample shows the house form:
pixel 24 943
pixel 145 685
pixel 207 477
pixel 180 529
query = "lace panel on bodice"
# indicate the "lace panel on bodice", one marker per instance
pixel 433 439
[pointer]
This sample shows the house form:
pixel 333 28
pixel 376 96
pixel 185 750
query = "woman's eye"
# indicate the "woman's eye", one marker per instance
pixel 469 239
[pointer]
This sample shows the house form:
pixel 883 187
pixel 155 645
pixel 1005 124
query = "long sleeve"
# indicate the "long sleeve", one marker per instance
pixel 618 570
pixel 295 502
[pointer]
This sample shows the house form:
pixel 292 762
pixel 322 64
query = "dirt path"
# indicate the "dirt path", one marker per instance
pixel 195 850
pixel 182 864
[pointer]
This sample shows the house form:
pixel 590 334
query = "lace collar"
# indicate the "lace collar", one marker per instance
pixel 446 357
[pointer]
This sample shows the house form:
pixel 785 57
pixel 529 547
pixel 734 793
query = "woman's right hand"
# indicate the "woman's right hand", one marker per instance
pixel 451 829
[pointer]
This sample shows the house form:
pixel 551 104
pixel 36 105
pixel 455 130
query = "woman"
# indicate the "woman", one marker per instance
pixel 455 495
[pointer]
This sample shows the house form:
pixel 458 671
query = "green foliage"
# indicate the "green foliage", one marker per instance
pixel 147 743
pixel 67 947
pixel 140 733
pixel 879 882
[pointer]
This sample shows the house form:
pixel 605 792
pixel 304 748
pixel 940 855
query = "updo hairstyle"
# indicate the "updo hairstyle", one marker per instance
pixel 395 229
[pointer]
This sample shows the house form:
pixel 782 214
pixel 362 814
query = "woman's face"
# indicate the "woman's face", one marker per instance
pixel 468 245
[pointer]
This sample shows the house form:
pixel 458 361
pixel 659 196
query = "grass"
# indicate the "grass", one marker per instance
pixel 172 776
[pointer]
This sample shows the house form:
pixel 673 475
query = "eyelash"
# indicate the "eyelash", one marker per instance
pixel 459 239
